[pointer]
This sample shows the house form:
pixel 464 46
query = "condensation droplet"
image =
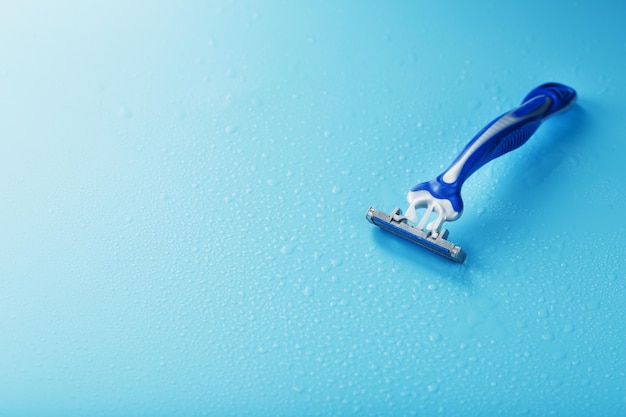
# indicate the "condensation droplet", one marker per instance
pixel 432 387
pixel 125 112
pixel 287 249
pixel 434 337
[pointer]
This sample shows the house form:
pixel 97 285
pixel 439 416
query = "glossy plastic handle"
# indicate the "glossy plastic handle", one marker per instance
pixel 504 134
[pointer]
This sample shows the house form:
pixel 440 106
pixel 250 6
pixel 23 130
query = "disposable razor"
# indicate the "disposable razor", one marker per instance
pixel 441 199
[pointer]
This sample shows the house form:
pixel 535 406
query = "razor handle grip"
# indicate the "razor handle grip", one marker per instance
pixel 506 133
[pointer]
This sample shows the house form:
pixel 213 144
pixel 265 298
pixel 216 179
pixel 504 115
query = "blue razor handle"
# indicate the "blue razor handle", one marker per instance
pixel 504 134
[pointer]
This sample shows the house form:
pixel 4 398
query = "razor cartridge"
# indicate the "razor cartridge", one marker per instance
pixel 441 197
pixel 397 224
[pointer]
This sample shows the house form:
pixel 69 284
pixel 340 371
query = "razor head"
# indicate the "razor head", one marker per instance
pixel 397 224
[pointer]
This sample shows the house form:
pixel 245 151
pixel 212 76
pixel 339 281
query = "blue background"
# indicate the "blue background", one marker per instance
pixel 183 188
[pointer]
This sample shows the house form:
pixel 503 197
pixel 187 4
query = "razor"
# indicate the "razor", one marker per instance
pixel 439 200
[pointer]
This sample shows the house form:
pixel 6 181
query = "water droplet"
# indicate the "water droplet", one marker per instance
pixel 473 104
pixel 125 112
pixel 336 262
pixel 555 382
pixel 287 249
pixel 434 337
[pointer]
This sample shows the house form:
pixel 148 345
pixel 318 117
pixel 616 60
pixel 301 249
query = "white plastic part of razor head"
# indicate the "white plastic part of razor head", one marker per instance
pixel 425 200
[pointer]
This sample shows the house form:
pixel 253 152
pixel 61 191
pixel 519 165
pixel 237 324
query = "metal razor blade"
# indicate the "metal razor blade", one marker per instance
pixel 397 224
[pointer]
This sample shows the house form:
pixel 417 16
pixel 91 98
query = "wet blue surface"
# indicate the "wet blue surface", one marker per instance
pixel 182 210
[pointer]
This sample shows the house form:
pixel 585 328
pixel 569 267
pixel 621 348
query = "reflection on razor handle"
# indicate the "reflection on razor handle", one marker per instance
pixel 442 195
